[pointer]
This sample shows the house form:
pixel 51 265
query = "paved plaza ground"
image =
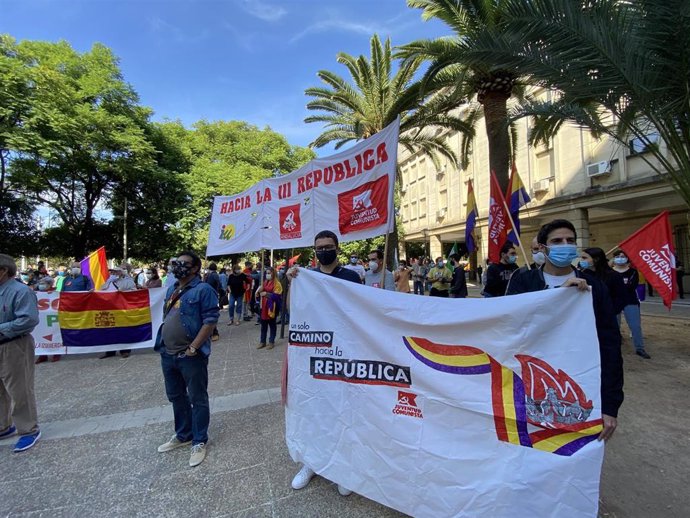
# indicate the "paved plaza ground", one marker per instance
pixel 102 421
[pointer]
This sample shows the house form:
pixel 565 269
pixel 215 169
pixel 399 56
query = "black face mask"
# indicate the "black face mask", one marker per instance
pixel 326 257
pixel 181 270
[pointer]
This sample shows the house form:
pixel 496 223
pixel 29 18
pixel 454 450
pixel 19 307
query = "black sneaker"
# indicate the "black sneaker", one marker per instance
pixel 644 354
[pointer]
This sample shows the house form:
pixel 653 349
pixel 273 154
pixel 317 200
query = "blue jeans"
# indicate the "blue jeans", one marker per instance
pixel 265 326
pixel 235 301
pixel 634 321
pixel 418 287
pixel 186 385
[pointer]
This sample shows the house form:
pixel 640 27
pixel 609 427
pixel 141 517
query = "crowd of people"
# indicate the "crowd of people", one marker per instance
pixel 254 291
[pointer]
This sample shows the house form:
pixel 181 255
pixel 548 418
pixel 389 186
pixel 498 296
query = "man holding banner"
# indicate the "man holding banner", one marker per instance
pixel 557 240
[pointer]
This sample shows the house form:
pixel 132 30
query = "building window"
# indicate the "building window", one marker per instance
pixel 638 145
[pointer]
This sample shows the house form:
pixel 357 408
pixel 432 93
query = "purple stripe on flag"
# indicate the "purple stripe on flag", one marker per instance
pixel 106 336
pixel 451 369
pixel 520 411
pixel 573 446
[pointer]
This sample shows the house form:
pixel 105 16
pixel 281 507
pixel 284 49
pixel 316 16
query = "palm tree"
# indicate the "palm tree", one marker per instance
pixel 375 97
pixel 621 69
pixel 487 86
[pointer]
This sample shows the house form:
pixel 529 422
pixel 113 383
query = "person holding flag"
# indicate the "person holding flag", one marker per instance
pixel 498 274
pixel 76 281
pixel 630 302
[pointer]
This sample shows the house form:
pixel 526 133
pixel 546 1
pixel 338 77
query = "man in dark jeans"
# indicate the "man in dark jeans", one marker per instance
pixel 213 280
pixel 184 343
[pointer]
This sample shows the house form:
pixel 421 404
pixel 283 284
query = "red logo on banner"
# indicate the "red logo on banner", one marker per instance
pixel 499 224
pixel 290 222
pixel 363 207
pixel 651 251
pixel 407 405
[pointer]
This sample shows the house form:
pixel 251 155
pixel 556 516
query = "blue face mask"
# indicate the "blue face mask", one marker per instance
pixel 512 259
pixel 562 255
pixel 585 264
pixel 61 274
pixel 620 260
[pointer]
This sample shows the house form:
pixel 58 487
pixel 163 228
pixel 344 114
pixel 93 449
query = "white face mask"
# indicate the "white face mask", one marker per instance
pixel 538 258
pixel 373 266
pixel 75 271
pixel 269 276
pixel 42 287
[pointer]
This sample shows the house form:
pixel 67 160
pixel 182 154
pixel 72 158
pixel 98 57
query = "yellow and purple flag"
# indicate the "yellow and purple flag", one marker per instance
pixel 95 267
pixel 471 221
pixel 105 318
pixel 516 197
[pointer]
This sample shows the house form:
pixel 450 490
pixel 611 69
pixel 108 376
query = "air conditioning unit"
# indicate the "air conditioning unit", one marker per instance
pixel 441 213
pixel 598 169
pixel 541 185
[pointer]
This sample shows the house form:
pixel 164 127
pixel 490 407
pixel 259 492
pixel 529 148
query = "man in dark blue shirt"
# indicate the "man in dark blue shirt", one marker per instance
pixel 326 248
pixel 76 281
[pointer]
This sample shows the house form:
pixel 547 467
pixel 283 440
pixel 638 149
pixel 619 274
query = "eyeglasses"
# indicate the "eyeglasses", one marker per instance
pixel 180 263
pixel 326 248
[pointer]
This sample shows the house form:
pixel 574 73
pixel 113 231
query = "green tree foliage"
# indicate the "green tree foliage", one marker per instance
pixel 375 96
pixel 81 135
pixel 621 69
pixel 226 158
pixel 486 84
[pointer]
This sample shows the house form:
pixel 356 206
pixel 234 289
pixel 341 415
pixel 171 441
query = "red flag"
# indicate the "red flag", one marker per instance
pixel 651 251
pixel 499 222
pixel 291 261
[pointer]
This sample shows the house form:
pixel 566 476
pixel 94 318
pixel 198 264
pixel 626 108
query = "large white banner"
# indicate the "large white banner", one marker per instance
pixel 48 337
pixel 350 193
pixel 447 407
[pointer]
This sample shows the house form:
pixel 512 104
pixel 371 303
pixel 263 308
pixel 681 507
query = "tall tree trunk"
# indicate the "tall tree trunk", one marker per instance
pixel 496 119
pixel 3 170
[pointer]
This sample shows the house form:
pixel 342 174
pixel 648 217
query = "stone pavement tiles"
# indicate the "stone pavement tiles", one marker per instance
pixel 102 421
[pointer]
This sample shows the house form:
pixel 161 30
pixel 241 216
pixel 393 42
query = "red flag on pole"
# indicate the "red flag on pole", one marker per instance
pixel 499 223
pixel 651 251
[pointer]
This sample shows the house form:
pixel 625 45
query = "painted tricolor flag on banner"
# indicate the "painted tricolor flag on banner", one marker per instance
pixel 651 251
pixel 105 318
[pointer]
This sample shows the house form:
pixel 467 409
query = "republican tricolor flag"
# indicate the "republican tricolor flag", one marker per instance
pixel 516 197
pixel 95 267
pixel 104 318
pixel 471 220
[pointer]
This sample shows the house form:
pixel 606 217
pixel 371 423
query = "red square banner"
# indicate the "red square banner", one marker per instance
pixel 363 207
pixel 290 222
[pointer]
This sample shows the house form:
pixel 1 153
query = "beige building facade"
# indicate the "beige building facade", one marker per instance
pixel 606 189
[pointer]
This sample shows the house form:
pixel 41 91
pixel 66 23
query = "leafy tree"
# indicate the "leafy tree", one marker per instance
pixel 81 134
pixel 485 83
pixel 375 97
pixel 226 158
pixel 155 201
pixel 621 68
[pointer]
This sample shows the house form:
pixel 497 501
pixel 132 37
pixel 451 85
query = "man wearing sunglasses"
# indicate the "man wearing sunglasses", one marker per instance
pixel 184 343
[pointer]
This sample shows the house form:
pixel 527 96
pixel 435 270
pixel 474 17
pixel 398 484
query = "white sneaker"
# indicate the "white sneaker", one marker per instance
pixel 172 444
pixel 302 478
pixel 343 491
pixel 198 454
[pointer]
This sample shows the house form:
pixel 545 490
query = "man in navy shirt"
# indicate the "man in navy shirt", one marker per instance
pixel 76 281
pixel 326 248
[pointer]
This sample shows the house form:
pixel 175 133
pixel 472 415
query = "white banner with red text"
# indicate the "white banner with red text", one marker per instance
pixel 350 193
pixel 447 407
pixel 48 337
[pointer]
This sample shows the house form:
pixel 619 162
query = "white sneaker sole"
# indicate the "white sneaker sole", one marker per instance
pixel 17 450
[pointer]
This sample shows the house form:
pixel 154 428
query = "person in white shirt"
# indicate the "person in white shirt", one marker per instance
pixel 355 266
